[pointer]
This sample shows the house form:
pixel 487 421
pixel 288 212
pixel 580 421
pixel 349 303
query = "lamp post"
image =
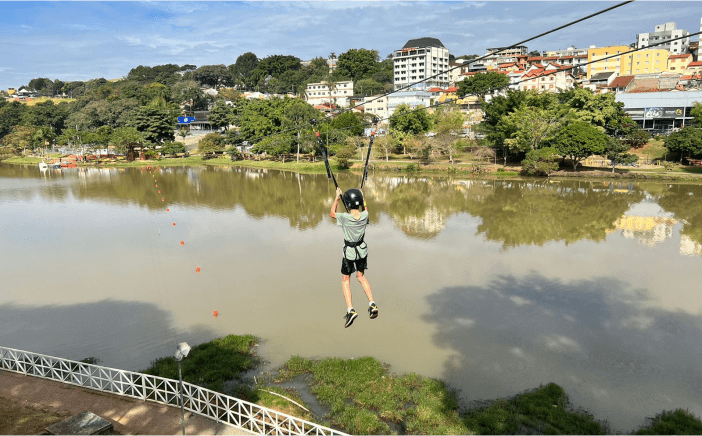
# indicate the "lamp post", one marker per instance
pixel 181 352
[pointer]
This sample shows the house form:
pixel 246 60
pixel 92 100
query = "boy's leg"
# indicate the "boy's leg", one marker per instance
pixel 366 286
pixel 346 287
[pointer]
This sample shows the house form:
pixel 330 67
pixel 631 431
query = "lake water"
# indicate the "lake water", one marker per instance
pixel 493 286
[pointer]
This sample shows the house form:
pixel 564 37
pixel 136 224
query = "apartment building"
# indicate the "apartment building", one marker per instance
pixel 320 93
pixel 377 107
pixel 420 59
pixel 653 60
pixel 606 65
pixel 570 51
pixel 665 32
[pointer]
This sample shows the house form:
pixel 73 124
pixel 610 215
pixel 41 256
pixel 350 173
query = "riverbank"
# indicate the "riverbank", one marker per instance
pixel 679 173
pixel 362 396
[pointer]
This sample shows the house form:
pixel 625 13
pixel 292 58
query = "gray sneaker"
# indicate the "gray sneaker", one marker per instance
pixel 349 317
pixel 373 311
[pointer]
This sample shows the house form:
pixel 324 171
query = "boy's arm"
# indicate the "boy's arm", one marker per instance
pixel 336 203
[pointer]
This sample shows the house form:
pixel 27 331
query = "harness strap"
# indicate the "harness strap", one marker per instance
pixel 353 245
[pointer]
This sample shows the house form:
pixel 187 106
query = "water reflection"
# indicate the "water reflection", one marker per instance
pixel 599 338
pixel 513 213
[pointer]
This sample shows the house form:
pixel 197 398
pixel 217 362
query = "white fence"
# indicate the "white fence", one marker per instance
pixel 214 405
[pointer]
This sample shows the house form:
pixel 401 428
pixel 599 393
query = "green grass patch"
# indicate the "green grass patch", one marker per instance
pixel 23 160
pixel 276 402
pixel 363 397
pixel 212 363
pixel 543 411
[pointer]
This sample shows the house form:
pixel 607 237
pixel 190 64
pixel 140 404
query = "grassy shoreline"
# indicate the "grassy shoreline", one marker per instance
pixel 406 168
pixel 362 396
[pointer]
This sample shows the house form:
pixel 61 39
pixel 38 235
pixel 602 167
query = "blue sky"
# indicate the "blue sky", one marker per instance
pixel 85 40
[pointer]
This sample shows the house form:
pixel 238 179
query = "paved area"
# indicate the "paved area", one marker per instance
pixel 127 415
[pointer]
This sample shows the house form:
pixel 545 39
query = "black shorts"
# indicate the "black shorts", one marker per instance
pixel 350 266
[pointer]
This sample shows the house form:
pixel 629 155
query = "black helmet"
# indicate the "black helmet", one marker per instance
pixel 353 198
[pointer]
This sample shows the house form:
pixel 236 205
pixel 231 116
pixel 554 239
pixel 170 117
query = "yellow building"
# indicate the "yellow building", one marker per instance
pixel 679 63
pixel 608 65
pixel 653 60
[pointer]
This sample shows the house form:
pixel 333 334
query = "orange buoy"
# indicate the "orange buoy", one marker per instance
pixel 157 186
pixel 182 243
pixel 155 180
pixel 159 191
pixel 173 224
pixel 197 270
pixel 168 210
pixel 215 313
pixel 163 199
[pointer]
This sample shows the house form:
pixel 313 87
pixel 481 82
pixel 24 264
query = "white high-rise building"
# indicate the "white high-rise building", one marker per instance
pixel 662 33
pixel 420 59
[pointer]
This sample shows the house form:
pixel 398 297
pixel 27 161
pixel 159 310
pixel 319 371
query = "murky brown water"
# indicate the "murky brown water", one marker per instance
pixel 493 286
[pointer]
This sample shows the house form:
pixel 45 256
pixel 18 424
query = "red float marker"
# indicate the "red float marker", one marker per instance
pixel 197 270
pixel 157 186
pixel 168 210
pixel 182 243
pixel 215 313
pixel 173 224
pixel 155 180
pixel 159 191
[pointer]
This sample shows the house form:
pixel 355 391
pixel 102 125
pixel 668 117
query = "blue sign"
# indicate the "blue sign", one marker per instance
pixel 185 120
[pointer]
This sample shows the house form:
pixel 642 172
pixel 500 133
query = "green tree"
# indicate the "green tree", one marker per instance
pixel 350 122
pixel 20 138
pixel 618 152
pixel 125 139
pixel 244 66
pixel 579 140
pixel 188 93
pixel 10 116
pixel 637 138
pixel 298 115
pixel 482 83
pixel 274 145
pixel 344 156
pixel 410 121
pixel 449 122
pixel 213 76
pixel 686 141
pixel 599 110
pixel 357 64
pixel 528 127
pixel 368 87
pixel 209 144
pixel 540 161
pixel 220 115
pixel 155 123
pixel 43 135
pixel 696 112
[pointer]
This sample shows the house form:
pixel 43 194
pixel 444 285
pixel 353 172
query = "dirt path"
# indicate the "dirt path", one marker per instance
pixel 127 415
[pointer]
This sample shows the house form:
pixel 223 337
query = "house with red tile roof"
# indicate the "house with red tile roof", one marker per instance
pixel 693 67
pixel 679 63
pixel 621 83
pixel 546 79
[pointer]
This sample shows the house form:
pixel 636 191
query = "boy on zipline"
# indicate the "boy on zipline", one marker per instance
pixel 355 249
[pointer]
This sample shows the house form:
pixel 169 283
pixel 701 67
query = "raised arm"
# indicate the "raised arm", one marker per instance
pixel 336 203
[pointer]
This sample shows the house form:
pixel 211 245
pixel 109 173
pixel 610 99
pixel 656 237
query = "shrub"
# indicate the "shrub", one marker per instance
pixel 411 168
pixel 540 162
pixel 343 156
pixel 211 143
pixel 151 154
pixel 172 147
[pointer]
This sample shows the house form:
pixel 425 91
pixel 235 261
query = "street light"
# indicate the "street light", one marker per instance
pixel 181 352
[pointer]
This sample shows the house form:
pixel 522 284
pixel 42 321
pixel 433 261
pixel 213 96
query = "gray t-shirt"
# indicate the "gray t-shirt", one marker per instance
pixel 353 229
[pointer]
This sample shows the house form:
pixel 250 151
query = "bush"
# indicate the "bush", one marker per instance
pixel 211 143
pixel 668 165
pixel 151 154
pixel 172 148
pixel 411 168
pixel 343 156
pixel 540 162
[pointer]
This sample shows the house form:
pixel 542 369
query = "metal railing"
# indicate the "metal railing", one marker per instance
pixel 211 404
